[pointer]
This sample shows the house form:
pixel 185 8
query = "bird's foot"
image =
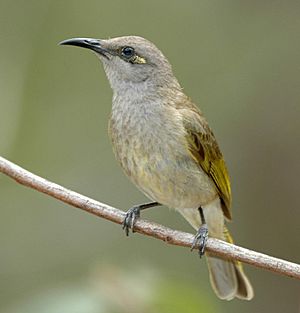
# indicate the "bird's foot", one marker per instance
pixel 201 239
pixel 131 215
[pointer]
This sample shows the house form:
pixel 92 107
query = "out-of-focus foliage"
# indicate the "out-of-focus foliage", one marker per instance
pixel 110 289
pixel 239 60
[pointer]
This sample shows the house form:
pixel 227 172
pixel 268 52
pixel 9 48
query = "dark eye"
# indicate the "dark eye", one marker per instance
pixel 127 52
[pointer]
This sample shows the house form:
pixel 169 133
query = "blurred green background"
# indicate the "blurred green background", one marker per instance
pixel 239 60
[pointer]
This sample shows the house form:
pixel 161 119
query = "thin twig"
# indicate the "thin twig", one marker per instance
pixel 174 237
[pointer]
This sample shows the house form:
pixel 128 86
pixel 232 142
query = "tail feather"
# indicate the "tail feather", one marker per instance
pixel 223 277
pixel 228 278
pixel 245 290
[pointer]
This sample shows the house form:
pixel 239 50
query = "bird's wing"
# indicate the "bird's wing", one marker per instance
pixel 206 152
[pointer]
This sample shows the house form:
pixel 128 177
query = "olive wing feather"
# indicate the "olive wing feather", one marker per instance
pixel 206 152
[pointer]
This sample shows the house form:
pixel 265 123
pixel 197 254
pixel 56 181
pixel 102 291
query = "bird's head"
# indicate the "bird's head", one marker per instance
pixel 129 60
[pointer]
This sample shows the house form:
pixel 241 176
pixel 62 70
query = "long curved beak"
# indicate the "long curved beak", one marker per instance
pixel 89 43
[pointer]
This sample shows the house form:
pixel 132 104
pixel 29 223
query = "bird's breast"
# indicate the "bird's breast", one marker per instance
pixel 150 144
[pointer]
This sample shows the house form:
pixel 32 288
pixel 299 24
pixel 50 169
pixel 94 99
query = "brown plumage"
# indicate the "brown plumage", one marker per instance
pixel 166 147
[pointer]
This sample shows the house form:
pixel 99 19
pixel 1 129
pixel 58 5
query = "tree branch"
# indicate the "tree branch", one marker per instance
pixel 174 237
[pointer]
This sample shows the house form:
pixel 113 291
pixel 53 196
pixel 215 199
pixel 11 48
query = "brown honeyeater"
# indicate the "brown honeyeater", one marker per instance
pixel 165 146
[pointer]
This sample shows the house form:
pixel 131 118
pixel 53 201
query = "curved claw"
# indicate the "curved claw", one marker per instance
pixel 131 215
pixel 201 239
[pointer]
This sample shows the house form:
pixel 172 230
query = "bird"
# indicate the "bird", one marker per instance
pixel 167 149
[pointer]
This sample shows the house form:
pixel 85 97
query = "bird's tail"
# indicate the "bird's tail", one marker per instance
pixel 227 277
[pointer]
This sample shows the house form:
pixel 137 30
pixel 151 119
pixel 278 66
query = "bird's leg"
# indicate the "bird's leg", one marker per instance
pixel 202 235
pixel 133 213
